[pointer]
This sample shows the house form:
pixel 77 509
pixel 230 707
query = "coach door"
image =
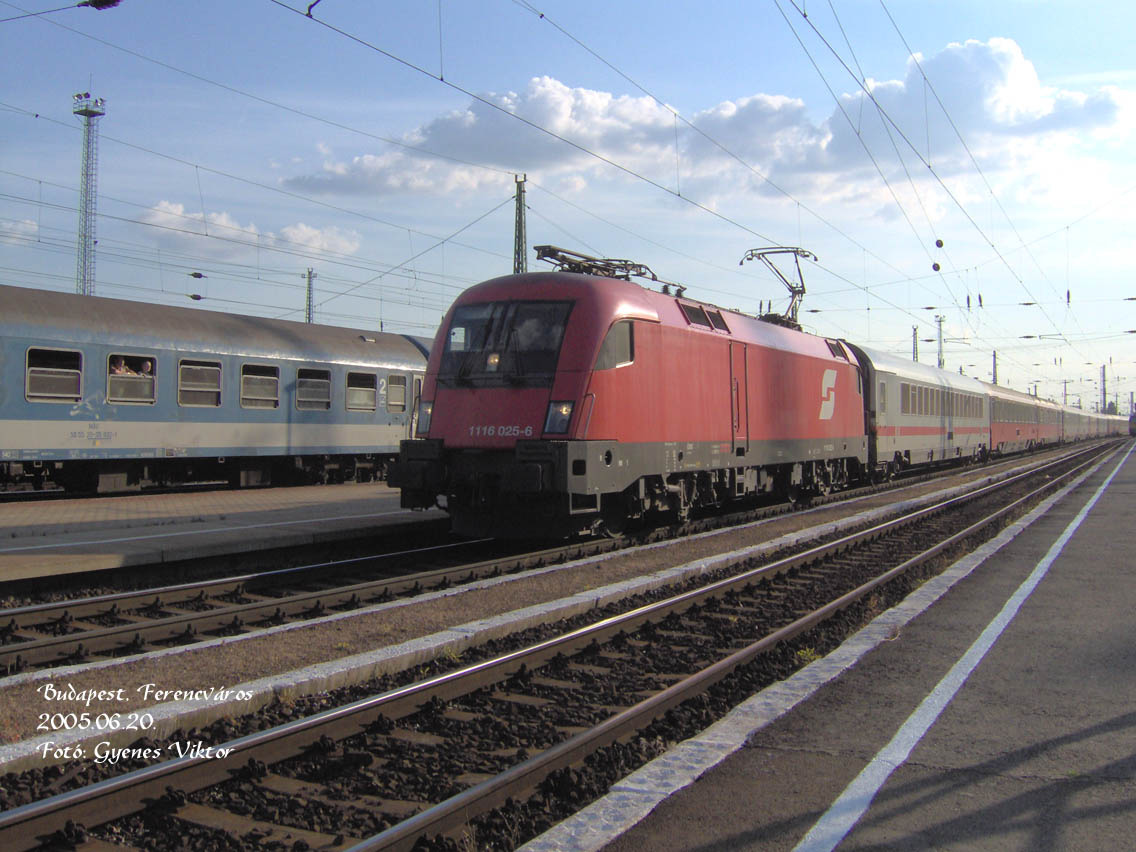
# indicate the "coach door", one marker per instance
pixel 739 398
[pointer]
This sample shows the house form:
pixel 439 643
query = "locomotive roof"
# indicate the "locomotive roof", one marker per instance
pixel 616 298
pixel 72 319
pixel 619 297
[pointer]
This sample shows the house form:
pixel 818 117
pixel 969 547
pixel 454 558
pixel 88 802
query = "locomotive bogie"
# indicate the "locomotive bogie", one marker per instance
pixel 104 395
pixel 560 488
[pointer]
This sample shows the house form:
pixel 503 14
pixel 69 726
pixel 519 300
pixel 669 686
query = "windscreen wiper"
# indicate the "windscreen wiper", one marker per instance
pixel 518 375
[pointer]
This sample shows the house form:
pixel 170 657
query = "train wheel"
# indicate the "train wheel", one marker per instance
pixel 796 496
pixel 611 529
pixel 617 514
pixel 823 481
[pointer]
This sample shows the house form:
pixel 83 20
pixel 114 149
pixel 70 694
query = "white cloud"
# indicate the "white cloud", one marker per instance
pixel 991 94
pixel 326 239
pixel 573 185
pixel 230 239
pixel 176 226
pixel 991 91
pixel 18 232
pixel 635 132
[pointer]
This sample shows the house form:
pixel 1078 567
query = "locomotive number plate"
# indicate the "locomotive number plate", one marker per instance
pixel 505 431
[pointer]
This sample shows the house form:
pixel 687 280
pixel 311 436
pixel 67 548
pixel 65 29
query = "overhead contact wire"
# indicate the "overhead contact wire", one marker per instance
pixel 583 149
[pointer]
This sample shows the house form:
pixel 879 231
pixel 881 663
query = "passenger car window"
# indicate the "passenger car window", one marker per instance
pixel 396 393
pixel 260 386
pixel 313 390
pixel 199 383
pixel 361 391
pixel 54 375
pixel 131 378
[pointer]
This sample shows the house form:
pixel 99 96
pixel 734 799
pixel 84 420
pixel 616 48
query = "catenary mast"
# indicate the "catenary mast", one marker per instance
pixel 520 240
pixel 91 109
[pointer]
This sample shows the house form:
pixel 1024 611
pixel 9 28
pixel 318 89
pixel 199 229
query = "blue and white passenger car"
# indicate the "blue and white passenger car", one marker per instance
pixel 108 394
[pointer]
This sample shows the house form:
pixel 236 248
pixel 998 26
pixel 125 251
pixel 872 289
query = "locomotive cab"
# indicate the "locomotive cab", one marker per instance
pixel 505 405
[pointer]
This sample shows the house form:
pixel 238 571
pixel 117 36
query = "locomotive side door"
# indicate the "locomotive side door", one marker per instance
pixel 739 398
pixel 412 420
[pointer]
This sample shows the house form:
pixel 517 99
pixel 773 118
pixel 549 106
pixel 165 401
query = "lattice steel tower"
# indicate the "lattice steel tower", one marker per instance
pixel 520 240
pixel 92 109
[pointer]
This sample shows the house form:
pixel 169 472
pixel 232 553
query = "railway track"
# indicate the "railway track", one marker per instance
pixel 107 626
pixel 489 753
pixel 114 625
pixel 89 629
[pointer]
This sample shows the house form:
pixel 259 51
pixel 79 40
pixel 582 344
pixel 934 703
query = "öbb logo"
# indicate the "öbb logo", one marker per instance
pixel 828 394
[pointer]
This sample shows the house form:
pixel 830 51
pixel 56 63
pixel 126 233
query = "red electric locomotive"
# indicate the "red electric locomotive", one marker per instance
pixel 568 402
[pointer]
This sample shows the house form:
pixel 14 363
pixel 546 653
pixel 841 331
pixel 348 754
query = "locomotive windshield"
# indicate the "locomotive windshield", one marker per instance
pixel 496 343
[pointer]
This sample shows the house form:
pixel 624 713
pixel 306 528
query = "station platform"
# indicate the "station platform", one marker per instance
pixel 66 536
pixel 994 710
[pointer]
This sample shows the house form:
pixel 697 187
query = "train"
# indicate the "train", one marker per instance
pixel 102 395
pixel 578 401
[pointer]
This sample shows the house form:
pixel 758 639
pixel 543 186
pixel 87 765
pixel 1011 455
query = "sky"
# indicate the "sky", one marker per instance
pixel 961 165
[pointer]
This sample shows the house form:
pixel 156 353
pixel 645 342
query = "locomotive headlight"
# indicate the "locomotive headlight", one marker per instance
pixel 492 362
pixel 559 413
pixel 425 412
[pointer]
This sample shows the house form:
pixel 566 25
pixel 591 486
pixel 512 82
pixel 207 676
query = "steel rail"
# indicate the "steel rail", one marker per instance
pixel 145 630
pixel 98 605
